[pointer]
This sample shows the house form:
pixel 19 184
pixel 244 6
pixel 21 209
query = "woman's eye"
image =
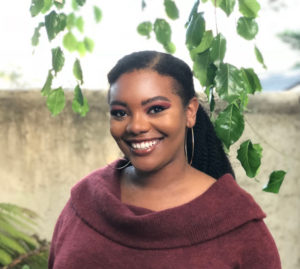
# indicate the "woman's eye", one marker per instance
pixel 118 113
pixel 156 109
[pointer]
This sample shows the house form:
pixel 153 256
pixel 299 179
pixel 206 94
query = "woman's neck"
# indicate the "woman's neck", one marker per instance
pixel 169 187
pixel 170 174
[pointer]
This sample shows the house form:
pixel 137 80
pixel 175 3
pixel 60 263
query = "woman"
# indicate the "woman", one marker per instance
pixel 161 207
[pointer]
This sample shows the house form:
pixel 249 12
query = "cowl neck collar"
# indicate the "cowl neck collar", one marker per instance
pixel 222 208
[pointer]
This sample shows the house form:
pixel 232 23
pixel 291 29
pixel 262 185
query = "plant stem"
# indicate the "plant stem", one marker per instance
pixel 23 257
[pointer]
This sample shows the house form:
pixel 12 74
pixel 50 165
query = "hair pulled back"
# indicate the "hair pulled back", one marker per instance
pixel 209 156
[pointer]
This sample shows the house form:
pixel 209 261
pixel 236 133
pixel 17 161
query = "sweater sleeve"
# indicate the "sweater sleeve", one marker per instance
pixel 260 251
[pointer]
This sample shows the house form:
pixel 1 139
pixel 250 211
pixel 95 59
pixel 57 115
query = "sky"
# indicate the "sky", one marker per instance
pixel 116 36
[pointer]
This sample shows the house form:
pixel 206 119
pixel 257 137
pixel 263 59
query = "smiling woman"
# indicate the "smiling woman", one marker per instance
pixel 173 201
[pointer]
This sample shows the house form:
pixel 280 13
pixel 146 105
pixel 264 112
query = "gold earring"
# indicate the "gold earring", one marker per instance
pixel 193 145
pixel 124 166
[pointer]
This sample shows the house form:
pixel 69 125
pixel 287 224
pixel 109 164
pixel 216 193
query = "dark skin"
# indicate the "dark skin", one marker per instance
pixel 149 122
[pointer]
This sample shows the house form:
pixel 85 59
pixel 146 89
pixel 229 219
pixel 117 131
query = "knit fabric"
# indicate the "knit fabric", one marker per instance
pixel 222 228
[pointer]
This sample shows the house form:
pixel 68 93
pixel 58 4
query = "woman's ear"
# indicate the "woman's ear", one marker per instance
pixel 191 112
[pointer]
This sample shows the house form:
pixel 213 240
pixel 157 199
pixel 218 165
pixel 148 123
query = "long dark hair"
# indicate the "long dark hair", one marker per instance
pixel 209 156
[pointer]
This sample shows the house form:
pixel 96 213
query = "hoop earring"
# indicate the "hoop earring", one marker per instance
pixel 193 147
pixel 124 166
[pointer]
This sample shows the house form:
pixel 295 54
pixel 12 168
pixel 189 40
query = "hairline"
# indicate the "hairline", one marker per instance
pixel 176 85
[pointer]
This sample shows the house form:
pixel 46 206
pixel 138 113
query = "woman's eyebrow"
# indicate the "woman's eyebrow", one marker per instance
pixel 156 98
pixel 112 103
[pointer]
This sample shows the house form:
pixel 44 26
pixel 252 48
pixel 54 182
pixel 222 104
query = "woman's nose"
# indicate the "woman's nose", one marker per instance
pixel 138 124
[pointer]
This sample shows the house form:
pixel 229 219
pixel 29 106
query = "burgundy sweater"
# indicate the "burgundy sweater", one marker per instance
pixel 222 228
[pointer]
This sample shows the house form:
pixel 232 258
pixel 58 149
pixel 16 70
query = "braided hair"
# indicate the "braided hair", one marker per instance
pixel 209 156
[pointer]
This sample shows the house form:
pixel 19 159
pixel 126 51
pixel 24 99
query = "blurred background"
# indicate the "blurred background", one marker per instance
pixel 42 157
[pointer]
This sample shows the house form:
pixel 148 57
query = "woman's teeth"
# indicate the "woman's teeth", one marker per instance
pixel 144 145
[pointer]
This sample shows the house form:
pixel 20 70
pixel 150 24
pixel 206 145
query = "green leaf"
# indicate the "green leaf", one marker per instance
pixel 200 67
pixel 19 211
pixel 195 31
pixel 247 28
pixel 58 59
pixel 204 44
pixel 80 104
pixel 162 31
pixel 145 28
pixel 249 156
pixel 243 101
pixel 70 42
pixel 80 2
pixel 80 24
pixel 47 6
pixel 62 22
pixel 25 266
pixel 89 44
pixel 36 35
pixel 229 125
pixel 218 49
pixel 47 86
pixel 19 222
pixel 97 14
pixel 229 84
pixel 56 101
pixel 275 180
pixel 71 21
pixel 170 47
pixel 78 97
pixel 249 8
pixel 193 12
pixel 259 57
pixel 251 80
pixel 81 48
pixel 12 231
pixel 77 71
pixel 171 9
pixel 227 6
pixel 75 5
pixel 11 244
pixel 36 7
pixel 5 258
pixel 211 74
pixel 55 23
pixel 81 109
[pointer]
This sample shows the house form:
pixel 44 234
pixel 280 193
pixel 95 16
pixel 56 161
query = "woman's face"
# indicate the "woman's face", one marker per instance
pixel 148 120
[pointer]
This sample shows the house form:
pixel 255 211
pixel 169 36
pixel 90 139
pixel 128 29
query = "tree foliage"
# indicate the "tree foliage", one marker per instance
pixel 207 49
pixel 19 246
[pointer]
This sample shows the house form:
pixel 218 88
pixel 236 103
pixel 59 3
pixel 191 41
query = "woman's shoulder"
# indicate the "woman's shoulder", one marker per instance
pixel 256 246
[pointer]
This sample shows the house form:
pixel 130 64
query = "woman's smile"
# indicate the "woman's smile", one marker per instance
pixel 143 147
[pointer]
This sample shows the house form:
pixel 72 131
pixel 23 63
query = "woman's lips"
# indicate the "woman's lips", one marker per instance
pixel 143 147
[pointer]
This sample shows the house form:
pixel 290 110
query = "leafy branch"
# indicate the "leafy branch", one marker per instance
pixel 17 244
pixel 218 78
pixel 56 21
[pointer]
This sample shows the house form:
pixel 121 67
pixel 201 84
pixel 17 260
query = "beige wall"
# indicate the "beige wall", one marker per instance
pixel 42 156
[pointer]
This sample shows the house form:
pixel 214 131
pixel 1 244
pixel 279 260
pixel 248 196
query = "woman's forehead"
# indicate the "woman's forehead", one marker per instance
pixel 143 84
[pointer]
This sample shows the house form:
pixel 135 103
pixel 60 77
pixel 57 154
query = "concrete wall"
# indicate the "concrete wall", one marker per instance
pixel 42 156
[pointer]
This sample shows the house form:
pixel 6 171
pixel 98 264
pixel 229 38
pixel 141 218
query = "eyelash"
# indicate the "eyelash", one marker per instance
pixel 116 113
pixel 120 114
pixel 153 108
